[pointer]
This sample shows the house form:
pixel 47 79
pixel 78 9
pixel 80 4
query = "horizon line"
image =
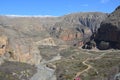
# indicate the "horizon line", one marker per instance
pixel 15 15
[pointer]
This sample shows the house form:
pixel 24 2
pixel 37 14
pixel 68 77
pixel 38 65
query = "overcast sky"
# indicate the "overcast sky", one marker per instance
pixel 55 7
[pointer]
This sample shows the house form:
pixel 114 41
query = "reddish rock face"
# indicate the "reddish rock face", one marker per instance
pixel 18 52
pixel 69 35
pixel 80 43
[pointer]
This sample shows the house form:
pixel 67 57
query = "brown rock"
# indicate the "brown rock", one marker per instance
pixel 69 35
pixel 3 45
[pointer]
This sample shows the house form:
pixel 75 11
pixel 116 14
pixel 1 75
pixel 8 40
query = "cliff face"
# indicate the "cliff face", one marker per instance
pixel 24 35
pixel 109 30
pixel 78 26
pixel 91 20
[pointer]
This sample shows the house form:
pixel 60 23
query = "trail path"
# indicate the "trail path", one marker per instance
pixel 88 65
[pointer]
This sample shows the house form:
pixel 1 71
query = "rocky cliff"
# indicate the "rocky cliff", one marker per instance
pixel 24 35
pixel 108 33
pixel 77 27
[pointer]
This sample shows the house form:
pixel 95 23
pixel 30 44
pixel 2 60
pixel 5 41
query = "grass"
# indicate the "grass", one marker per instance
pixel 103 68
pixel 107 67
pixel 66 70
pixel 16 71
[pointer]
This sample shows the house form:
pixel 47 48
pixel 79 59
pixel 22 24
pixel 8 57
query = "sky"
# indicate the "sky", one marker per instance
pixel 55 7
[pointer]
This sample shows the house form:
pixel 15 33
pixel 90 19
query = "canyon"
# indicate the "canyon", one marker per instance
pixel 84 45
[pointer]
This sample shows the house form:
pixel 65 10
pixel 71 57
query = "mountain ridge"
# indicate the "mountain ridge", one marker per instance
pixel 70 30
pixel 54 45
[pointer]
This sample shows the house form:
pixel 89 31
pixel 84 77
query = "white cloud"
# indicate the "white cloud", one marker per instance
pixel 29 16
pixel 104 1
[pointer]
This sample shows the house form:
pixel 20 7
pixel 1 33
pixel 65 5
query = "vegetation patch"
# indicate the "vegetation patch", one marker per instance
pixel 16 71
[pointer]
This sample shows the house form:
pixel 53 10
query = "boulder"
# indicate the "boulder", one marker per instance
pixel 104 45
pixel 89 45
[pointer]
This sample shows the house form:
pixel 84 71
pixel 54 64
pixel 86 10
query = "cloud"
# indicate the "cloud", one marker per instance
pixel 29 16
pixel 104 1
pixel 84 5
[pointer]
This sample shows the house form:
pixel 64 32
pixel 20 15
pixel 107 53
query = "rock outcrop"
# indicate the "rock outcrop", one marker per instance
pixel 78 27
pixel 46 42
pixel 109 31
pixel 3 45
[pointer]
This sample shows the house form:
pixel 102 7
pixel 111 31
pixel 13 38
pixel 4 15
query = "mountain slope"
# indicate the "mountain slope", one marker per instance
pixel 77 26
pixel 109 31
pixel 24 33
